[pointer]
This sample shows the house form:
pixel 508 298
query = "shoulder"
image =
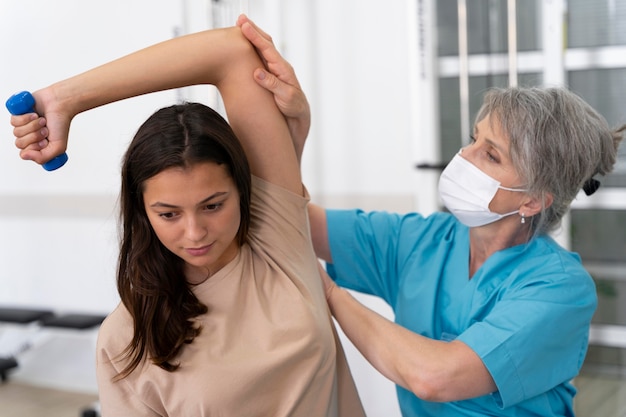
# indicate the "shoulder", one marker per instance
pixel 266 192
pixel 398 236
pixel 116 330
pixel 547 255
pixel 271 200
pixel 545 271
pixel 264 189
pixel 276 212
pixel 412 224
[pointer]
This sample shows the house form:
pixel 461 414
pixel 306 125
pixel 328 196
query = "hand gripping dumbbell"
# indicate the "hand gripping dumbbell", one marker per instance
pixel 22 103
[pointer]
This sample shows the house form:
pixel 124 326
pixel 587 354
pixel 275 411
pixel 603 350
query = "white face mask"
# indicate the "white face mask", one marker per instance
pixel 467 191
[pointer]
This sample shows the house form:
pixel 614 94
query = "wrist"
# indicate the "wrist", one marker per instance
pixel 333 292
pixel 60 99
pixel 329 290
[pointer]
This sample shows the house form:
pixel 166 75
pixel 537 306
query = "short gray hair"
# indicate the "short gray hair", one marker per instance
pixel 558 143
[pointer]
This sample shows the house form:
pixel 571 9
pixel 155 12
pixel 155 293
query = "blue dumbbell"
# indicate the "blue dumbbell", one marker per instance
pixel 22 103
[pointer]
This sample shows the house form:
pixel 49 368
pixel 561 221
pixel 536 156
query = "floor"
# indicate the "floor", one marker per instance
pixel 27 401
pixel 598 396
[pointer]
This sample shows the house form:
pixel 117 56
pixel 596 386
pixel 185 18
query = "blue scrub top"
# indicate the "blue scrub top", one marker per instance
pixel 526 312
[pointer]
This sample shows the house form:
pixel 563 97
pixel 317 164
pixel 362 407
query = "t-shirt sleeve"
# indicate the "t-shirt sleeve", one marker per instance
pixel 117 397
pixel 279 217
pixel 279 232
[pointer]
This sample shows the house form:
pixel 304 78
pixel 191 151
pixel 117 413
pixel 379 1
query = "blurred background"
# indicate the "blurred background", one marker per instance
pixel 393 87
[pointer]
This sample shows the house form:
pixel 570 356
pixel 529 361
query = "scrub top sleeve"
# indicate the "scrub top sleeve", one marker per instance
pixel 364 247
pixel 493 354
pixel 536 336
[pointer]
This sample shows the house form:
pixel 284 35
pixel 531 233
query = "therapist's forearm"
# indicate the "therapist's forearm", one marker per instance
pixel 372 335
pixel 433 370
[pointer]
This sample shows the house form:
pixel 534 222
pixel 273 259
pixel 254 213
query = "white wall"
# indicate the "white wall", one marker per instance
pixel 58 240
pixel 357 77
pixel 58 244
pixel 57 248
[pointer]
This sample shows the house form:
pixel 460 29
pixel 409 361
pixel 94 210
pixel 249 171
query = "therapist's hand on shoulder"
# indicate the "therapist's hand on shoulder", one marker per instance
pixel 280 79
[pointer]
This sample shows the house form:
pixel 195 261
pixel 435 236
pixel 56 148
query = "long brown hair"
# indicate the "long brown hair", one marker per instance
pixel 150 278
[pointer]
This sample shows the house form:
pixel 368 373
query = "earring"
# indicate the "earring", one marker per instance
pixel 523 218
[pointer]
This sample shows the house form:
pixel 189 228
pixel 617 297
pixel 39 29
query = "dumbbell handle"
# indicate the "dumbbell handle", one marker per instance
pixel 22 103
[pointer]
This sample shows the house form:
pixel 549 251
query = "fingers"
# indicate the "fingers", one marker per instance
pixel 262 42
pixel 42 154
pixel 31 134
pixel 29 130
pixel 268 81
pixel 23 119
pixel 264 45
pixel 280 79
pixel 266 49
pixel 244 19
pixel 290 100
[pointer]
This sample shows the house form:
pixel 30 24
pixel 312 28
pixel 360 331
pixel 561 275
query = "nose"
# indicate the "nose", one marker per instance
pixel 467 153
pixel 195 229
pixel 465 150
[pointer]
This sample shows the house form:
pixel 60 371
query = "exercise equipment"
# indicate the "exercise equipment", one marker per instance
pixel 22 103
pixel 42 318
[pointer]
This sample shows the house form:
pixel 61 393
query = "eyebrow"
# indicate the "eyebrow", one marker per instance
pixel 160 204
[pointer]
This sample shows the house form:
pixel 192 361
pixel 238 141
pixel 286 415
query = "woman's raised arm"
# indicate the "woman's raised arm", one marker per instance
pixel 222 57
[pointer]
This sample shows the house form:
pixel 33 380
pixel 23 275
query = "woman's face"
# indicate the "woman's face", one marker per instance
pixel 489 151
pixel 195 214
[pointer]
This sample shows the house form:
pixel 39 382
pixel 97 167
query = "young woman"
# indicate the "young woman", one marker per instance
pixel 222 310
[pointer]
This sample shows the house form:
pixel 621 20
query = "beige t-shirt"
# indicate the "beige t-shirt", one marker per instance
pixel 267 347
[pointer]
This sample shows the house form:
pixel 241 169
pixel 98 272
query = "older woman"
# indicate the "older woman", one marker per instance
pixel 491 315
